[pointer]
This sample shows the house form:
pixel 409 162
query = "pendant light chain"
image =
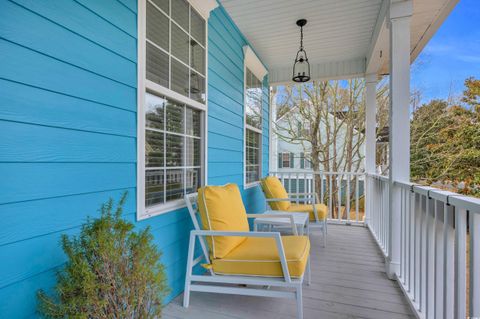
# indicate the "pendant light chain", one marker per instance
pixel 301 38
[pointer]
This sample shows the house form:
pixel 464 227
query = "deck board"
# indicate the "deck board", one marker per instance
pixel 348 281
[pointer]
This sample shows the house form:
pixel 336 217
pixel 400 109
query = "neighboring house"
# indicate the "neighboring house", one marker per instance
pixel 287 156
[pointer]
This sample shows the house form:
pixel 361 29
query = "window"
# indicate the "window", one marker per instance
pixel 304 162
pixel 172 75
pixel 285 160
pixel 253 127
pixel 254 72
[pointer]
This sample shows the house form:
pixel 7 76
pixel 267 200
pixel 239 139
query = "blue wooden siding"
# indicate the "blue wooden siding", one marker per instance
pixel 68 134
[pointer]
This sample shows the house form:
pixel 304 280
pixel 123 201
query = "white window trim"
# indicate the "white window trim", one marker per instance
pixel 253 63
pixel 203 7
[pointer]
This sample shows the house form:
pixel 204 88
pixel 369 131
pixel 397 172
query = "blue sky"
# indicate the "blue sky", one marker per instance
pixel 452 55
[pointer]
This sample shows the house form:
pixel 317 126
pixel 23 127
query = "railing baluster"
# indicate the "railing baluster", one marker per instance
pixel 357 194
pixel 424 254
pixel 411 239
pixel 460 262
pixel 474 264
pixel 439 252
pixel 322 199
pixel 330 199
pixel 402 229
pixel 339 204
pixel 347 203
pixel 430 259
pixel 448 261
pixel 297 186
pixel 418 245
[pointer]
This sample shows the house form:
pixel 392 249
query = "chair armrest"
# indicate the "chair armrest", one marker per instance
pixel 274 235
pixel 289 199
pixel 282 216
pixel 235 233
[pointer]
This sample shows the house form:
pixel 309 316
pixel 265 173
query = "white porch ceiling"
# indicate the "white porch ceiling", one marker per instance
pixel 343 38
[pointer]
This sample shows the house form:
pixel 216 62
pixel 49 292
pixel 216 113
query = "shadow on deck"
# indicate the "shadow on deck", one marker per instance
pixel 348 281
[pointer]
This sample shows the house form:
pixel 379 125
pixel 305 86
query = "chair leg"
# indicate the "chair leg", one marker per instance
pixel 188 274
pixel 299 303
pixel 186 295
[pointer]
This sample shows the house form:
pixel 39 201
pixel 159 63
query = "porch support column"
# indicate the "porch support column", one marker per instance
pixel 399 158
pixel 273 154
pixel 370 138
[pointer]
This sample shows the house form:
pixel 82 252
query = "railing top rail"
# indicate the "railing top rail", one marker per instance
pixel 469 203
pixel 317 172
pixel 379 177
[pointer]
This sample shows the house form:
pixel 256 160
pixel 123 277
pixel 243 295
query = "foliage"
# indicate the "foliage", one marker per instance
pixel 112 272
pixel 471 95
pixel 445 142
pixel 331 116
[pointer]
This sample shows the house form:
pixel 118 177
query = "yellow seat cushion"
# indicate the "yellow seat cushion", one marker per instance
pixel 221 209
pixel 273 188
pixel 322 210
pixel 259 257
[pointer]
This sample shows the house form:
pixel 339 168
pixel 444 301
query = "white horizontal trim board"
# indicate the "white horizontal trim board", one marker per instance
pixel 204 7
pixel 253 63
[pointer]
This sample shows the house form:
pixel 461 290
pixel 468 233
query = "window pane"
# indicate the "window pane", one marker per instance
pixel 193 152
pixel 198 27
pixel 193 180
pixel 157 27
pixel 154 187
pixel 175 117
pixel 179 78
pixel 154 111
pixel 193 122
pixel 174 151
pixel 174 184
pixel 157 66
pixel 197 57
pixel 197 87
pixel 252 156
pixel 163 4
pixel 180 13
pixel 180 43
pixel 253 100
pixel 154 149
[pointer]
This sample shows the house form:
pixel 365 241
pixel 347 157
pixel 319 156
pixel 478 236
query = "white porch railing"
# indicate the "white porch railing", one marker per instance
pixel 379 219
pixel 439 246
pixel 342 192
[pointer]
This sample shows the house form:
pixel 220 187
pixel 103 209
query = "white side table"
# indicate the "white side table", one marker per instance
pixel 301 221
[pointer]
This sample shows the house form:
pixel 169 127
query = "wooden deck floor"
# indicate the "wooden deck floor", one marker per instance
pixel 348 281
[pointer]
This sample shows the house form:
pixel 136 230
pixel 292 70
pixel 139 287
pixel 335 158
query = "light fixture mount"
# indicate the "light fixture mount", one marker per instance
pixel 301 66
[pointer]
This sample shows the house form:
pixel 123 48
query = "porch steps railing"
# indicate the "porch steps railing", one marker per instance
pixel 439 246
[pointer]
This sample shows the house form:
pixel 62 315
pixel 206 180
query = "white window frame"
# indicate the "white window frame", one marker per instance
pixel 253 63
pixel 143 86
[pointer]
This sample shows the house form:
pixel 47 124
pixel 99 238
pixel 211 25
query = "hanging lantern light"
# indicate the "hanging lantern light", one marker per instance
pixel 301 67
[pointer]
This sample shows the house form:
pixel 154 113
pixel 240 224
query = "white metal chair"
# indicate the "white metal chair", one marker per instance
pixel 310 199
pixel 239 284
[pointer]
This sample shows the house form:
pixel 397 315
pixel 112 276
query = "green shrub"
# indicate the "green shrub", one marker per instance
pixel 111 272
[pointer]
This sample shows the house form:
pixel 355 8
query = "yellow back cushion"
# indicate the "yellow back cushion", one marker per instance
pixel 221 208
pixel 273 188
